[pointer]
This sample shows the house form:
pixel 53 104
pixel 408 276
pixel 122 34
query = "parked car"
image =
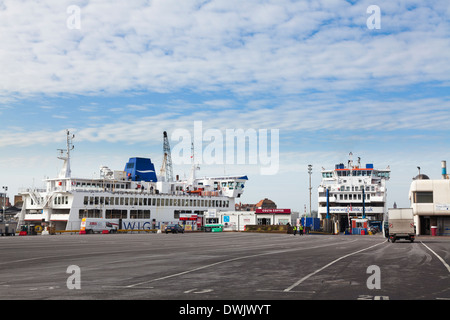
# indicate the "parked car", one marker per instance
pixel 174 228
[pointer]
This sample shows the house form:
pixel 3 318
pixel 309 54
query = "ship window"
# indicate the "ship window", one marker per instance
pixel 423 197
pixel 134 214
pixel 158 201
pixel 81 213
pixel 153 202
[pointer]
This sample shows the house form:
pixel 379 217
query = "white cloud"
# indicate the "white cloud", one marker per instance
pixel 244 47
pixel 309 68
pixel 293 118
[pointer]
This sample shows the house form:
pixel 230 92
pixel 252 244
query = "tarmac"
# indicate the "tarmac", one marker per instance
pixel 226 266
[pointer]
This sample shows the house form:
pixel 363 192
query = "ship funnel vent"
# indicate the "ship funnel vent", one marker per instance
pixel 444 169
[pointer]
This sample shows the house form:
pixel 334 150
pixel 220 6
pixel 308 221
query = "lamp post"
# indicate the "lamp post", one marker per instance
pixel 5 188
pixel 310 188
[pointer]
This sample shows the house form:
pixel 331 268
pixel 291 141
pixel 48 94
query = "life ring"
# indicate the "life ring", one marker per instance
pixel 38 228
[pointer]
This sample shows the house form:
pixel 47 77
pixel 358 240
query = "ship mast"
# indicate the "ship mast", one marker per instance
pixel 64 154
pixel 194 167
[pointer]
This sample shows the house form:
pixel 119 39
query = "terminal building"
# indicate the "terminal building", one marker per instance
pixel 265 212
pixel 430 201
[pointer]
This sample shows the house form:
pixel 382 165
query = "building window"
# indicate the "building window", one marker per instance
pixel 263 221
pixel 423 197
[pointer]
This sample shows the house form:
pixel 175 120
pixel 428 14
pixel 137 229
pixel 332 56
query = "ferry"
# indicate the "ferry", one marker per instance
pixel 135 198
pixel 353 192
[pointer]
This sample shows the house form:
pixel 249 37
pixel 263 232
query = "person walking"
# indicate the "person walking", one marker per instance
pixel 294 228
pixel 301 230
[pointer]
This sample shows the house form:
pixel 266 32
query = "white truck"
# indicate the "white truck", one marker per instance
pixel 401 224
pixel 93 225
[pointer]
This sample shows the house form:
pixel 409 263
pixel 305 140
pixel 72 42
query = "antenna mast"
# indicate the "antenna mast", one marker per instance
pixel 65 171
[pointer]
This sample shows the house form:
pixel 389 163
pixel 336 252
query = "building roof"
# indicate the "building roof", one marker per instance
pixel 266 204
pixel 422 177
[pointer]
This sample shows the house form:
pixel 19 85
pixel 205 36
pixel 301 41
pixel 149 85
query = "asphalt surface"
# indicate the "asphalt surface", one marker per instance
pixel 223 266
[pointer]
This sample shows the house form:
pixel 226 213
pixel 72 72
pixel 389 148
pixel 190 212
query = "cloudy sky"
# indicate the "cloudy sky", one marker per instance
pixel 119 73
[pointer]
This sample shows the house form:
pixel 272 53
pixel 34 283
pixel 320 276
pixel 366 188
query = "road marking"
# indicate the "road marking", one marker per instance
pixel 326 266
pixel 442 260
pixel 368 297
pixel 195 290
pixel 228 260
pixel 273 290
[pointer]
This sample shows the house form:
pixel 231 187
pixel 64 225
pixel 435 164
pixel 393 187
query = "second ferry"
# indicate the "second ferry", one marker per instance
pixel 353 192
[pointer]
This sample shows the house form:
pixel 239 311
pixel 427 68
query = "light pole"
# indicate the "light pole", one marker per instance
pixel 310 188
pixel 4 202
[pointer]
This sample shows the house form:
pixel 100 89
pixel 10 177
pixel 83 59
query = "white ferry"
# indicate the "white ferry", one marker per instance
pixel 353 192
pixel 134 198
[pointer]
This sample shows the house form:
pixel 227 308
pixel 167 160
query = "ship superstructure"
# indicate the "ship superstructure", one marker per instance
pixel 136 196
pixel 353 191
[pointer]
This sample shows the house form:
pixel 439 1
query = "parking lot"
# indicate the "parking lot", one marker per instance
pixel 223 266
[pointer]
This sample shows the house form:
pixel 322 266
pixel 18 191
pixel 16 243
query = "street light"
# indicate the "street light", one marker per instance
pixel 4 202
pixel 310 188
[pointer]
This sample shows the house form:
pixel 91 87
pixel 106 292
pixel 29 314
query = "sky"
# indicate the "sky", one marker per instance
pixel 323 78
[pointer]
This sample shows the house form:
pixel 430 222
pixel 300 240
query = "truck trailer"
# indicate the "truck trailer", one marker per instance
pixel 401 224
